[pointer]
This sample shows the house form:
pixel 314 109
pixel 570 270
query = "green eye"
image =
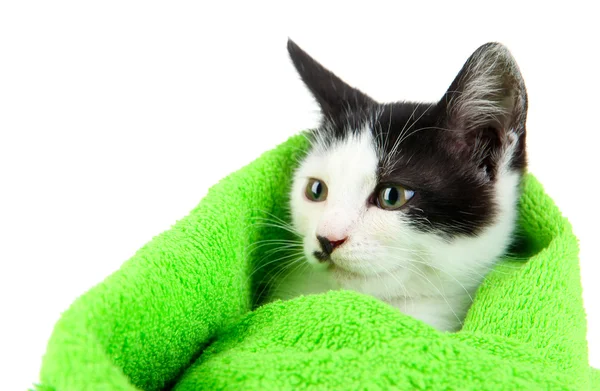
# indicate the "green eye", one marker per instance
pixel 393 197
pixel 316 190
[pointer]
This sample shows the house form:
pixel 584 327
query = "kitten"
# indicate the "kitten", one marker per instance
pixel 411 203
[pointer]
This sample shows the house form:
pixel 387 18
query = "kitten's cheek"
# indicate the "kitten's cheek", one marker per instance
pixel 302 222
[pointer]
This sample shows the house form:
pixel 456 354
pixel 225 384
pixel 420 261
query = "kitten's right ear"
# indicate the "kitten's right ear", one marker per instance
pixel 488 92
pixel 485 105
pixel 332 94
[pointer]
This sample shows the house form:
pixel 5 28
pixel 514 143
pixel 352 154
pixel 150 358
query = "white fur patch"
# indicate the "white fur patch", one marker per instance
pixel 348 169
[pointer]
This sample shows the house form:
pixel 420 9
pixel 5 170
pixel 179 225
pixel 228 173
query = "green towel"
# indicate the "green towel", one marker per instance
pixel 178 315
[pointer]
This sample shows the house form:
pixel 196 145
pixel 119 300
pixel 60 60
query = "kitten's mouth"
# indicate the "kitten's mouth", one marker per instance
pixel 325 259
pixel 342 273
pixel 322 256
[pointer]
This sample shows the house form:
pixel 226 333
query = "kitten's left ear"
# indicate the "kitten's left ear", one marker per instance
pixel 486 100
pixel 331 93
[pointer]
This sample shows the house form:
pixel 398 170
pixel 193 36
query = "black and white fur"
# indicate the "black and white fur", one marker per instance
pixel 463 156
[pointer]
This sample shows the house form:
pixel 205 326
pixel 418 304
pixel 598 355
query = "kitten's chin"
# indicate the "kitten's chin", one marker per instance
pixel 335 270
pixel 338 269
pixel 341 273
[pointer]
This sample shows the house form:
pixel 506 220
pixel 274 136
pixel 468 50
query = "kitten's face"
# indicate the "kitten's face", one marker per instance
pixel 391 189
pixel 376 240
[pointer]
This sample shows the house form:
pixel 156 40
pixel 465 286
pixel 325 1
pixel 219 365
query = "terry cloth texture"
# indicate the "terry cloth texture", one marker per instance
pixel 179 314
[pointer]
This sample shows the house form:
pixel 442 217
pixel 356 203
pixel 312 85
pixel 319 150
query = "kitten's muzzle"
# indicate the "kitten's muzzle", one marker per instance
pixel 327 247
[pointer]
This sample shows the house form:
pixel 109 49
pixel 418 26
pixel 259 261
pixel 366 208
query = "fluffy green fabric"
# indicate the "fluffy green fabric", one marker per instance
pixel 178 313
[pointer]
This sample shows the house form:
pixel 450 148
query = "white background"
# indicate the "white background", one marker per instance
pixel 115 118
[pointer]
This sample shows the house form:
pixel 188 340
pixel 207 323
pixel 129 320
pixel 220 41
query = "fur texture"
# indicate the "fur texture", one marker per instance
pixel 463 157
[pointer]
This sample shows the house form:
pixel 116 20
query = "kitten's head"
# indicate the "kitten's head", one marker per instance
pixel 391 189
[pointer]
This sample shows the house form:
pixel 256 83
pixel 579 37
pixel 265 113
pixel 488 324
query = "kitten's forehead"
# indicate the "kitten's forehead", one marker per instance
pixel 393 127
pixel 347 165
pixel 347 159
pixel 375 141
pixel 406 136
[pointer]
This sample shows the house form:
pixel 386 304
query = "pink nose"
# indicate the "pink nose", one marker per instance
pixel 329 245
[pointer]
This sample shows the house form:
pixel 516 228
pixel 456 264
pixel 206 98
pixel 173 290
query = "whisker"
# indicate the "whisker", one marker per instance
pixel 279 275
pixel 273 225
pixel 262 243
pixel 443 297
pixel 436 271
pixel 262 266
pixel 404 137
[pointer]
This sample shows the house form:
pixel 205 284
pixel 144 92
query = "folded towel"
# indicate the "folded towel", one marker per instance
pixel 179 314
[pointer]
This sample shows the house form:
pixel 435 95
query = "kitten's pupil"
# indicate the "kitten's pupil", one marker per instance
pixel 317 189
pixel 391 195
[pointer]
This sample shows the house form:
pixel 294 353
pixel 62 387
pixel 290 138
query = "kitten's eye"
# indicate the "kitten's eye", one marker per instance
pixel 316 190
pixel 393 197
